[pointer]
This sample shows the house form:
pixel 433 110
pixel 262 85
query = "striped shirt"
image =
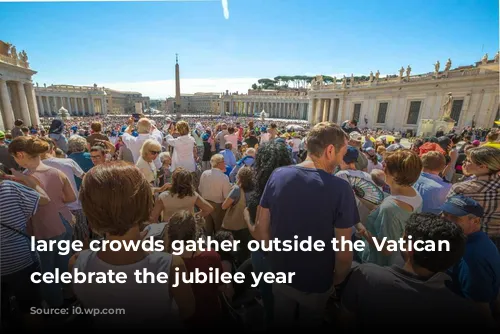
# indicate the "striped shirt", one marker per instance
pixel 487 194
pixel 19 203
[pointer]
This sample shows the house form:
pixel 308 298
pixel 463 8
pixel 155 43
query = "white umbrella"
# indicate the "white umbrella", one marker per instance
pixel 295 127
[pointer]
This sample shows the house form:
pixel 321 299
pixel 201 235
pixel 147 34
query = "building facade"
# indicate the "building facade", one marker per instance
pixel 276 104
pixel 197 103
pixel 17 94
pixel 401 102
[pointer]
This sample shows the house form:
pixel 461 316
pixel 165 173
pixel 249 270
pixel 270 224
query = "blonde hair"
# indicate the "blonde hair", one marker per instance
pixel 182 127
pixel 164 155
pixel 144 125
pixel 150 144
pixel 487 156
pixel 216 159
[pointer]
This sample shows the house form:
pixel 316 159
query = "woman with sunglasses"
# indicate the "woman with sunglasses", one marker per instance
pixel 149 152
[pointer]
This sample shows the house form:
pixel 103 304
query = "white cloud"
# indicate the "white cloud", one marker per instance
pixel 225 8
pixel 165 88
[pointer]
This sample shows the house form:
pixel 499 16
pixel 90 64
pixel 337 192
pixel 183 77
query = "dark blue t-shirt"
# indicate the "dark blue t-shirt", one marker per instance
pixel 308 202
pixel 477 275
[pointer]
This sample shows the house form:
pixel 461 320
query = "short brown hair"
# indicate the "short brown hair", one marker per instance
pixel 434 161
pixel 182 127
pixel 51 142
pixel 245 176
pixel 32 146
pixel 404 166
pixel 96 126
pixel 115 198
pixel 492 136
pixel 181 226
pixel 182 183
pixel 324 134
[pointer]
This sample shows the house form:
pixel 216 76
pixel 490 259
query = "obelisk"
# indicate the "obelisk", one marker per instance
pixel 177 104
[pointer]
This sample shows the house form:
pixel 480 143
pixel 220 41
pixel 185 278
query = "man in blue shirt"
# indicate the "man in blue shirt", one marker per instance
pixel 477 275
pixel 228 155
pixel 302 201
pixel 430 185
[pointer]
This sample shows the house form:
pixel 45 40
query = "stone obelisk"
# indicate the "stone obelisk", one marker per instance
pixel 177 104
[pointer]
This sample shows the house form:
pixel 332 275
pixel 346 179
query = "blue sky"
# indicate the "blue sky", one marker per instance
pixel 132 45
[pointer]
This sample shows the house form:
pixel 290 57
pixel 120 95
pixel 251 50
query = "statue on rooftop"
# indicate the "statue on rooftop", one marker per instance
pixel 485 59
pixel 23 56
pixel 497 57
pixel 408 72
pixel 13 52
pixel 371 76
pixel 401 71
pixel 377 75
pixel 352 79
pixel 437 65
pixel 344 82
pixel 448 65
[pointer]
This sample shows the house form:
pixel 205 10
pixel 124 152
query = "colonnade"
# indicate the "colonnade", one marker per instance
pixel 17 101
pixel 289 109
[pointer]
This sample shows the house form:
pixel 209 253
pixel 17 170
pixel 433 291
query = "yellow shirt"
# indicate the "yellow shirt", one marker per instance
pixel 492 144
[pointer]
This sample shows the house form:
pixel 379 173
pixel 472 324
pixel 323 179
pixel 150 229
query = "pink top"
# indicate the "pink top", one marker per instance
pixel 46 223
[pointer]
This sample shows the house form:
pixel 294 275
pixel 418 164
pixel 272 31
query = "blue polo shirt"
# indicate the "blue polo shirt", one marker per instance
pixel 477 275
pixel 308 202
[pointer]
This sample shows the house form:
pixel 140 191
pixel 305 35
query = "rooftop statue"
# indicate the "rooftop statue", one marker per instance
pixel 448 65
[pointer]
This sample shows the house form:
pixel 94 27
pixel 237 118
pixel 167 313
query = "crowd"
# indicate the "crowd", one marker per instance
pixel 248 179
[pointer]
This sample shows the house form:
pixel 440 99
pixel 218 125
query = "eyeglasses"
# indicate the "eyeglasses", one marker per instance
pixel 155 152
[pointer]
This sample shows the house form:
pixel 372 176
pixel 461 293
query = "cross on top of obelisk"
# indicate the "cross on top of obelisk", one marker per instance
pixel 176 58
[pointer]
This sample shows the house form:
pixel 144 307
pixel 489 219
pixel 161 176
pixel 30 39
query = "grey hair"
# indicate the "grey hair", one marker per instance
pixel 77 143
pixel 164 155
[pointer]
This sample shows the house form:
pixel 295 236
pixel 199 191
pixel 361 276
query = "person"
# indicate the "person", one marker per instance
pixel 388 296
pixel 51 222
pixel 483 162
pixel 71 169
pixel 477 275
pixel 180 196
pixel 97 155
pixel 402 169
pixel 16 130
pixel 183 226
pixel 215 187
pixel 185 152
pixel 247 160
pixel 228 155
pixel 56 132
pixel 145 131
pixel 5 158
pixel 430 184
pixel 121 218
pixel 235 204
pixel 270 156
pixel 396 146
pixel 327 203
pixel 355 140
pixel 20 195
pixel 96 128
pixel 372 158
pixel 149 152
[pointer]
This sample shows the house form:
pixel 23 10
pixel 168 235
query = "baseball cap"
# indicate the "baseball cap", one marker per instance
pixel 351 155
pixel 355 136
pixel 460 205
pixel 2 135
pixel 370 151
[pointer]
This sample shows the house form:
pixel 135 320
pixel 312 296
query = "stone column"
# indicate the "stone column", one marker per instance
pixel 23 101
pixel 68 99
pixel 32 105
pixel 6 106
pixel 330 112
pixel 41 106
